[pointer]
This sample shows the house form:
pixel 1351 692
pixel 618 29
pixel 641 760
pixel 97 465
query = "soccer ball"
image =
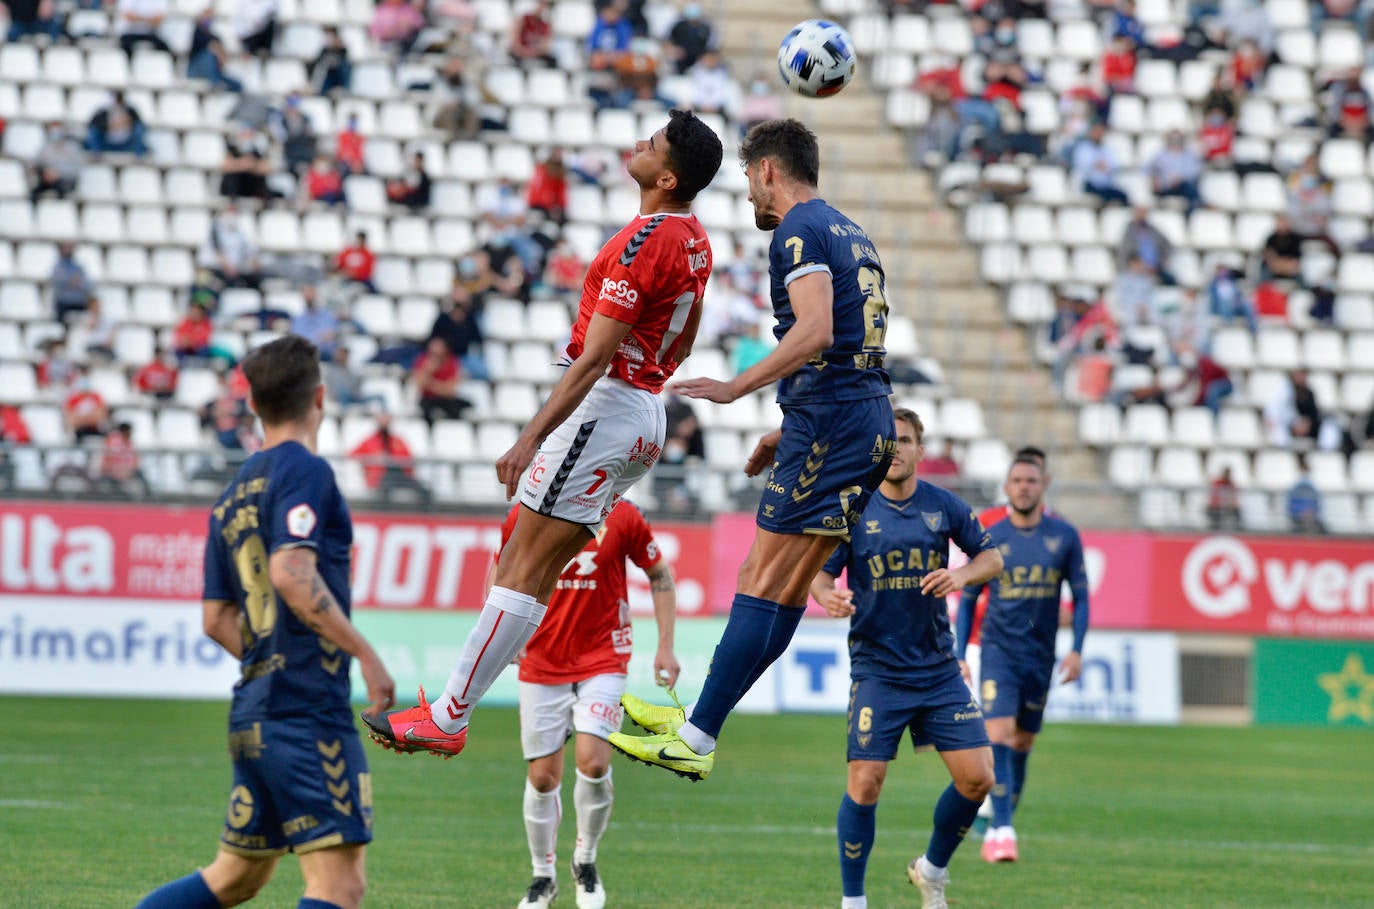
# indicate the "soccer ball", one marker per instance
pixel 816 59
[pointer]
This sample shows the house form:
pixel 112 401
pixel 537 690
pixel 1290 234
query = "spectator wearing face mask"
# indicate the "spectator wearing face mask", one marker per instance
pixel 58 164
pixel 116 127
pixel 689 38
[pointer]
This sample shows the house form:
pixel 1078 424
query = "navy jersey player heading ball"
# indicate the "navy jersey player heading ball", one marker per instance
pixel 280 536
pixel 833 449
pixel 902 663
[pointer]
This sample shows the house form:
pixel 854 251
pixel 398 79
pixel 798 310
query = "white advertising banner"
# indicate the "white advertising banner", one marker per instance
pixel 1127 678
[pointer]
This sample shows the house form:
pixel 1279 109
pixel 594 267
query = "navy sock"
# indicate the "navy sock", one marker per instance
pixel 309 903
pixel 1001 789
pixel 742 646
pixel 856 825
pixel 784 626
pixel 190 892
pixel 1018 776
pixel 954 814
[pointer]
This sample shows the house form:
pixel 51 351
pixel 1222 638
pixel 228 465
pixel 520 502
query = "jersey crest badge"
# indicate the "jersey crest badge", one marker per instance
pixel 1052 544
pixel 933 519
pixel 300 521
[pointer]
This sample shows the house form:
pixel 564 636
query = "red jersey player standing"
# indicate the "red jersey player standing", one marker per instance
pixel 600 430
pixel 572 675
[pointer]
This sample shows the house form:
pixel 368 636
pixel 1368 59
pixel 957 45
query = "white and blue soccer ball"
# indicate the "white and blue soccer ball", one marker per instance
pixel 816 59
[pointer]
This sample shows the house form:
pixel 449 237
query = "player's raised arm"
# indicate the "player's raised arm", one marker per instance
pixel 293 572
pixel 604 335
pixel 813 297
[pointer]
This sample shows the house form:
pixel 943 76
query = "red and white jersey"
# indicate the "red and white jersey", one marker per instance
pixel 587 630
pixel 652 275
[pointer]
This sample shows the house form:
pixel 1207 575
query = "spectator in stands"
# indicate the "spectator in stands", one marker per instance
pixel 331 69
pixel 30 18
pixel 356 263
pixel 455 103
pixel 1226 299
pixel 547 192
pixel 476 280
pixel 532 37
pixel 292 128
pixel 1142 240
pixel 1293 414
pixel 388 466
pixel 1282 253
pixel 228 255
pixel 1118 66
pixel 159 377
pixel 461 332
pixel 345 385
pixel 1309 204
pixel 138 22
pixel 637 79
pixel 761 102
pixel 1175 170
pixel 224 415
pixel 1095 167
pixel 323 182
pixel 1217 136
pixel 513 257
pixel 1240 22
pixel 1212 382
pixel 72 290
pixel 1220 97
pixel 348 147
pixel 1246 67
pixel 684 444
pixel 436 375
pixel 941 469
pixel 58 164
pixel 99 330
pixel 1223 502
pixel 1135 286
pixel 243 173
pixel 117 472
pixel 116 127
pixel 317 324
pixel 1304 502
pixel 84 410
pixel 191 339
pixel 689 39
pixel 564 272
pixel 712 84
pixel 56 371
pixel 1125 24
pixel 610 37
pixel 208 56
pixel 13 433
pixel 749 347
pixel 395 25
pixel 412 188
pixel 256 24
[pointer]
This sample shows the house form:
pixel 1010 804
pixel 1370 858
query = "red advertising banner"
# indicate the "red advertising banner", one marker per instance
pixel 399 561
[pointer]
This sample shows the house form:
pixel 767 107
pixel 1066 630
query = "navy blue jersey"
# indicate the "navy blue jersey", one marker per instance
pixel 1023 602
pixel 813 237
pixel 897 633
pixel 283 496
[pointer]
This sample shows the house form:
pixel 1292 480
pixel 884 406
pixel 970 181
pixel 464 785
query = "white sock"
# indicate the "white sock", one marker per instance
pixel 592 800
pixel 543 811
pixel 503 628
pixel 854 902
pixel 932 871
pixel 696 740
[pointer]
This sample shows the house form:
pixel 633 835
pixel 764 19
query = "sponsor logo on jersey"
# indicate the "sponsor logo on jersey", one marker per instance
pixel 696 261
pixel 645 452
pixel 300 521
pixel 619 292
pixel 872 527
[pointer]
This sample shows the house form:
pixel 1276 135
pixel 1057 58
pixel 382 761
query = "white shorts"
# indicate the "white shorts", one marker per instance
pixel 597 454
pixel 549 714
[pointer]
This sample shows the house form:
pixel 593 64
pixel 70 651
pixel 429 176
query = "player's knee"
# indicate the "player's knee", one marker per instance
pixel 593 768
pixel 866 783
pixel 1021 740
pixel 544 779
pixel 975 786
pixel 238 891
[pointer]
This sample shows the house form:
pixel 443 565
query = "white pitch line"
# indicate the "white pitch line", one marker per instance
pixel 1218 845
pixel 36 804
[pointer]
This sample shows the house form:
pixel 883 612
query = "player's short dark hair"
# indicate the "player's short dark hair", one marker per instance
pixel 1037 463
pixel 906 414
pixel 789 144
pixel 283 375
pixel 694 153
pixel 1033 451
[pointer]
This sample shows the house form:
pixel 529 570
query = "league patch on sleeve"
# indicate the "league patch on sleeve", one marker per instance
pixel 300 521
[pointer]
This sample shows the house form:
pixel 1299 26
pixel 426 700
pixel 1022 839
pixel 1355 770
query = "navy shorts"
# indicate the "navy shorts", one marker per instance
pixel 299 784
pixel 1008 688
pixel 830 459
pixel 942 716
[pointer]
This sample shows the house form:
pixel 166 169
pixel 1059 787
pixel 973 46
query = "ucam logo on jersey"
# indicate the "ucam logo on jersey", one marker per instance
pixel 1304 588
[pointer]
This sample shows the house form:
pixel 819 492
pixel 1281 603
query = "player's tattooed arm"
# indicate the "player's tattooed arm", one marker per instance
pixel 664 592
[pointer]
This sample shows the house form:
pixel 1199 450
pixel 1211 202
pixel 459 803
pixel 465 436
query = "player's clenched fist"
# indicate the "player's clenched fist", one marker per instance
pixel 763 455
pixel 837 602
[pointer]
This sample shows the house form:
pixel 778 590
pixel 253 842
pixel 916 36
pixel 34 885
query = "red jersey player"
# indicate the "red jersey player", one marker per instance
pixel 572 675
pixel 602 427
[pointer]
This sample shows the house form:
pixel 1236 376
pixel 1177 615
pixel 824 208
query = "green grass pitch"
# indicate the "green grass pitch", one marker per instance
pixel 100 800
